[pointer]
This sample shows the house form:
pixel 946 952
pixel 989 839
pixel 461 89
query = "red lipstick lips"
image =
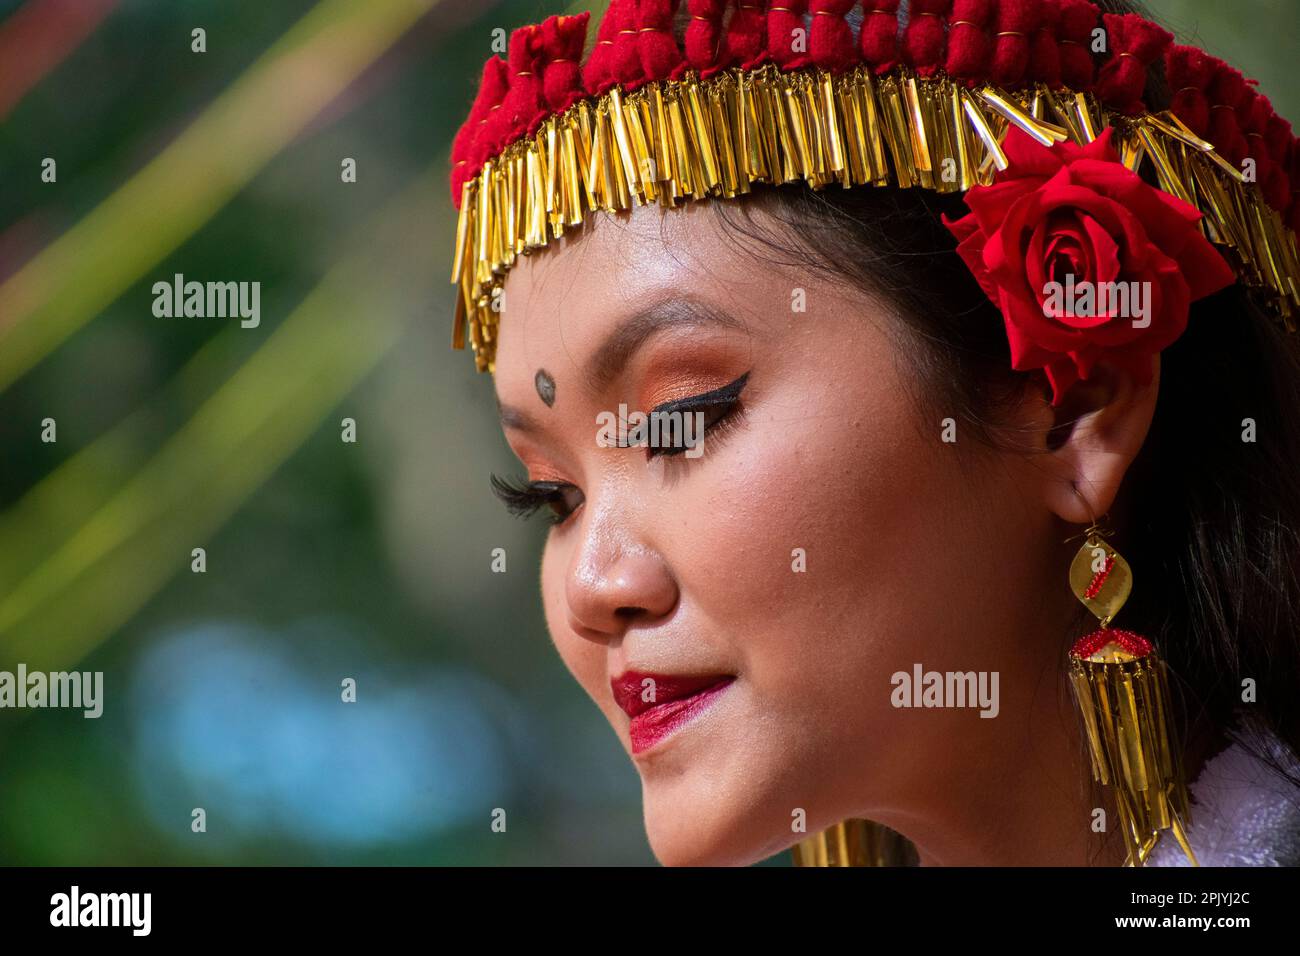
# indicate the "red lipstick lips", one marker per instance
pixel 660 703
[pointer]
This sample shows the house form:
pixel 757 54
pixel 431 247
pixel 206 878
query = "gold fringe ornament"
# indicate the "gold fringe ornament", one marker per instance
pixel 1122 691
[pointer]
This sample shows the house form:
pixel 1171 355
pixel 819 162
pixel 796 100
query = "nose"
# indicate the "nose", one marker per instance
pixel 611 587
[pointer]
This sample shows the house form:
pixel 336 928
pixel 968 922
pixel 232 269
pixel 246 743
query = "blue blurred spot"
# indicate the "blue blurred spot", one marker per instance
pixel 250 725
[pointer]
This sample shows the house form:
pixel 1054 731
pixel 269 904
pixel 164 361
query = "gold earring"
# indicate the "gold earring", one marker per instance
pixel 1121 689
pixel 855 842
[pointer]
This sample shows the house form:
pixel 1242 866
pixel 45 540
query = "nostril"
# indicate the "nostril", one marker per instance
pixel 628 611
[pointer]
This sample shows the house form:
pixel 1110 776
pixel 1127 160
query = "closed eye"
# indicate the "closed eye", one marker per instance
pixel 524 500
pixel 715 409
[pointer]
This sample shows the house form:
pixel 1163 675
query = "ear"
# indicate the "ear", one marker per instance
pixel 1091 438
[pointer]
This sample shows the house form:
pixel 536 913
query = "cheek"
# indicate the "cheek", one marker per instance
pixel 814 518
pixel 821 547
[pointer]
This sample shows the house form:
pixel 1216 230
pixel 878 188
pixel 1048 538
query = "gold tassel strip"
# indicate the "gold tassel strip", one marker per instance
pixel 1125 706
pixel 830 111
pixel 916 129
pixel 719 137
pixel 896 135
pixel 961 139
pixel 982 128
pixel 1166 174
pixel 1046 134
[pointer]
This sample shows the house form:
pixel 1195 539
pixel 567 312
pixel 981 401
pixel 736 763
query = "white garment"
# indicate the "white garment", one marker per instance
pixel 1244 813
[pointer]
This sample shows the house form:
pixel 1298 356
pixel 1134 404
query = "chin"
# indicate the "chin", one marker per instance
pixel 694 843
pixel 696 831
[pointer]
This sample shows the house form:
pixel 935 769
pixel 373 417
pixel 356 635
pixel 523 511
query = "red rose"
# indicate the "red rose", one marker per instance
pixel 1077 211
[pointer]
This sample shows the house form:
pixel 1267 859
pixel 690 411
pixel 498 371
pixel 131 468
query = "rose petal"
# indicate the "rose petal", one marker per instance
pixel 1105 251
pixel 1028 158
pixel 991 204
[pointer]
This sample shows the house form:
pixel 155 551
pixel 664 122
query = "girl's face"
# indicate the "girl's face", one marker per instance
pixel 738 610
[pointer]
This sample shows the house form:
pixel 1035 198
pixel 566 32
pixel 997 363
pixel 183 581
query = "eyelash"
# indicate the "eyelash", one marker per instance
pixel 717 430
pixel 525 500
pixel 726 398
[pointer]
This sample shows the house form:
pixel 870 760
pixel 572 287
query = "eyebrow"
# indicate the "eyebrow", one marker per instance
pixel 516 419
pixel 612 355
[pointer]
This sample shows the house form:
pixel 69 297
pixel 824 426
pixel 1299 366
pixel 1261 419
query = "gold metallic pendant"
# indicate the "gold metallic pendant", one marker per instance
pixel 1100 578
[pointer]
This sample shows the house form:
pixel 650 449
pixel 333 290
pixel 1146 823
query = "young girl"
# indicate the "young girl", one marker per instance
pixel 981 563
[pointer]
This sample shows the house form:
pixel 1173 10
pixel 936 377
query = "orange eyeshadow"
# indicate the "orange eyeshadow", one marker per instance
pixel 676 384
pixel 673 372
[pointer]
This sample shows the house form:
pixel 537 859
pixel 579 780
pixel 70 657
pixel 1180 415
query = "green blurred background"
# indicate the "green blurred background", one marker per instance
pixel 325 559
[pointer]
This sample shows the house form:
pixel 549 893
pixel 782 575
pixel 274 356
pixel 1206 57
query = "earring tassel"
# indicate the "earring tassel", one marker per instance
pixel 1122 691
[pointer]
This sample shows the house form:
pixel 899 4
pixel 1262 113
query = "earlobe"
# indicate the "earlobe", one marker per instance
pixel 1101 426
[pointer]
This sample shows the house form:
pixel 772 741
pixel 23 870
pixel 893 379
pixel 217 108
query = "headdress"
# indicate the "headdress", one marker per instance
pixel 931 94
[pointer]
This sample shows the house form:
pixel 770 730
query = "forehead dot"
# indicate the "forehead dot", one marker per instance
pixel 545 386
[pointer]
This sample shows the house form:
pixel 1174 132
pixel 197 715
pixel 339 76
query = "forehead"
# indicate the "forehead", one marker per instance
pixel 560 302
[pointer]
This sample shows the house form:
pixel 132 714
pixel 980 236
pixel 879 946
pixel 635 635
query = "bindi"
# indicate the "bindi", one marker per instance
pixel 545 386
